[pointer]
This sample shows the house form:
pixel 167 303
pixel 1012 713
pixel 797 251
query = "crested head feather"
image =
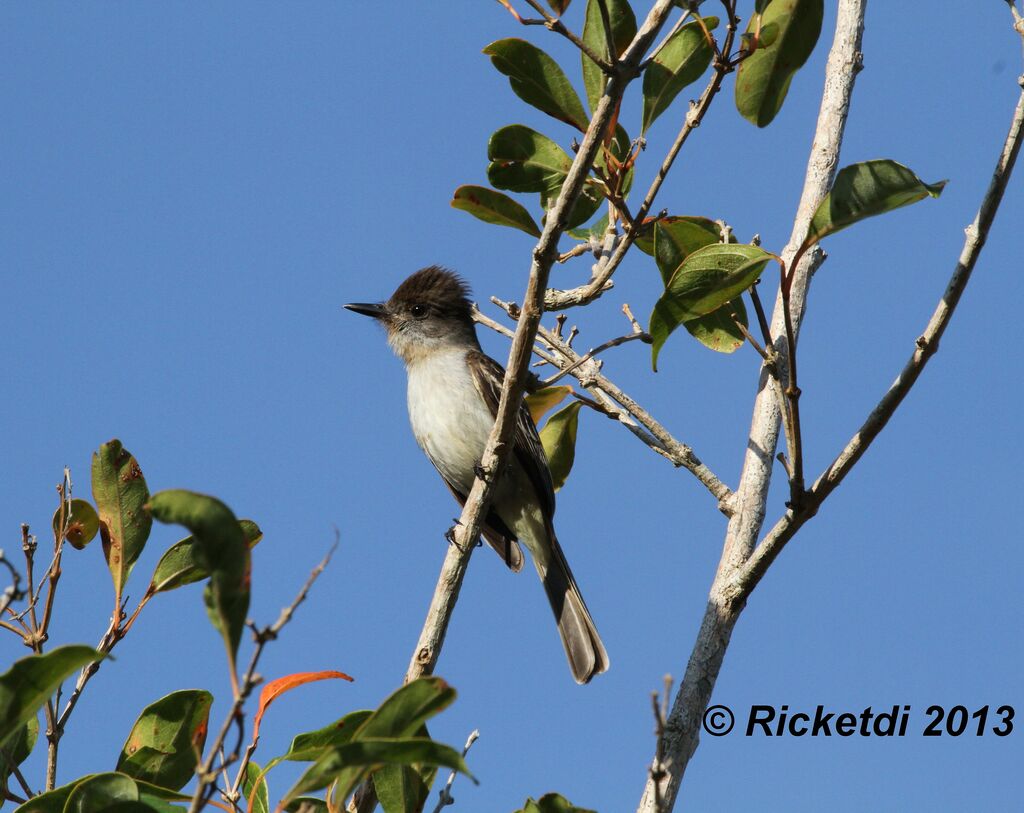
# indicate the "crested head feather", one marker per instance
pixel 437 287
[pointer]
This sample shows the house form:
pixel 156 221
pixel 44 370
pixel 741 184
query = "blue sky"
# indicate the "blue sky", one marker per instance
pixel 191 192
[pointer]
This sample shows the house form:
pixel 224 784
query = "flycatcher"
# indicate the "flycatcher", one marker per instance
pixel 453 400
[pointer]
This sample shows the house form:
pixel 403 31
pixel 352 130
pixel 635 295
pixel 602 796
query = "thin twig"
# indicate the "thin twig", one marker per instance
pixel 445 793
pixel 606 267
pixel 924 348
pixel 554 24
pixel 619 340
pixel 656 436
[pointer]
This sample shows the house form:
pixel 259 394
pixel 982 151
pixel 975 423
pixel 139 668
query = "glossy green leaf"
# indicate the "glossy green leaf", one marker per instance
pixel 400 788
pixel 178 566
pixel 18 748
pixel 494 207
pixel 681 62
pixel 706 280
pixel 221 549
pixel 717 330
pixel 763 78
pixel 119 491
pixel 82 523
pixel 523 160
pixel 151 796
pixel 596 229
pixel 645 239
pixel 864 190
pixel 623 26
pixel 559 439
pixel 536 79
pixel 161 747
pixel 254 780
pixel 25 687
pixel 100 792
pixel 676 238
pixel 545 399
pixel 306 747
pixel 348 765
pixel 552 803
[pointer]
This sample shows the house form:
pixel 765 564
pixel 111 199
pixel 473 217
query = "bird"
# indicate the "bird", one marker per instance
pixel 453 394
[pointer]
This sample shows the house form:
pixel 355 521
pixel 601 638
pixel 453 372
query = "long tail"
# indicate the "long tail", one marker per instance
pixel 583 647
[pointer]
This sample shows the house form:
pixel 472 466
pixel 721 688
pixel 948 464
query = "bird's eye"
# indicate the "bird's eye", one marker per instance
pixel 418 311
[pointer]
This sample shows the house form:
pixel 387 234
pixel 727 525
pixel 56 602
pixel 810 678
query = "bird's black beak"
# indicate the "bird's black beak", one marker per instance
pixel 375 310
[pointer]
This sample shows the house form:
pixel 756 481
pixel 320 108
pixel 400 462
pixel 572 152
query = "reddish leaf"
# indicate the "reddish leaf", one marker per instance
pixel 276 688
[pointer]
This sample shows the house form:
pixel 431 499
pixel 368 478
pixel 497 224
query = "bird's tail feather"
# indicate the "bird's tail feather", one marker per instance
pixel 583 646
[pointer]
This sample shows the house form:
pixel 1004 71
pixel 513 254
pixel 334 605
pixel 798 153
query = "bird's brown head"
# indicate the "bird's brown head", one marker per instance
pixel 430 311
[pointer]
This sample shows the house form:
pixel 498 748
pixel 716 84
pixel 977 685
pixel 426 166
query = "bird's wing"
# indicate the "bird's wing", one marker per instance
pixel 526 446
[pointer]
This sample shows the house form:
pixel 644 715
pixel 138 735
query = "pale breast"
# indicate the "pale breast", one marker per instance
pixel 449 419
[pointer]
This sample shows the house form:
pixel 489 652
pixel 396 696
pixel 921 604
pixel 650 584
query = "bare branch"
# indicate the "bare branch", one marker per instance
pixel 682 729
pixel 924 348
pixel 445 793
pixel 653 434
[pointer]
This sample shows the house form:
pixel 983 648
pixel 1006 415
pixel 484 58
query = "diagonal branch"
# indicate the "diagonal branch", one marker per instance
pixel 925 347
pixel 653 434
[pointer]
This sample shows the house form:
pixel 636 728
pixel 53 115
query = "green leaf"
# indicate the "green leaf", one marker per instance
pixel 623 25
pixel 400 789
pixel 763 78
pixel 306 747
pixel 30 681
pixel 536 79
pixel 494 207
pixel 676 238
pixel 717 330
pixel 178 566
pixel 583 209
pixel 559 6
pixel 100 792
pixel 559 439
pixel 596 229
pixel 706 280
pixel 544 399
pixel 254 780
pixel 681 62
pixel 349 764
pixel 82 523
pixel 552 803
pixel 120 492
pixel 162 746
pixel 645 239
pixel 523 160
pixel 17 749
pixel 150 796
pixel 221 549
pixel 864 190
pixel 405 710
